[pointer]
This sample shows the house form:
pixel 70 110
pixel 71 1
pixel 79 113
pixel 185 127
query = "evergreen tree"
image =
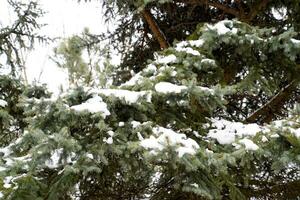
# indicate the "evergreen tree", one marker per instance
pixel 20 35
pixel 198 121
pixel 147 26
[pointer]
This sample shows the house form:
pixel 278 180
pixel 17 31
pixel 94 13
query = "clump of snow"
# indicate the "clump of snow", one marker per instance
pixel 188 50
pixel 129 96
pixel 225 131
pixel 286 125
pixel 279 13
pixel 7 182
pixel 196 43
pixel 6 151
pixel 295 41
pixel 223 27
pixel 2 169
pixel 3 103
pixel 121 124
pixel 206 89
pixel 208 61
pixel 93 105
pixel 135 124
pixel 296 132
pixel 193 43
pixel 182 44
pixel 249 144
pixel 274 135
pixel 166 59
pixel 111 133
pixel 223 137
pixel 53 162
pixel 109 140
pixel 208 151
pixel 166 87
pixel 150 69
pixel 136 79
pixel 139 135
pixel 264 139
pixel 168 137
pixel 89 155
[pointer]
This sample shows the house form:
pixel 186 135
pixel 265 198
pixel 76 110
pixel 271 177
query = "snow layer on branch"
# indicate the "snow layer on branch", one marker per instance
pixel 166 87
pixel 249 144
pixel 93 105
pixel 134 80
pixel 3 103
pixel 166 59
pixel 167 137
pixel 286 125
pixel 130 97
pixel 223 27
pixel 295 41
pixel 193 43
pixel 225 132
pixel 196 43
pixel 208 61
pixel 188 50
pixel 206 89
pixel 6 151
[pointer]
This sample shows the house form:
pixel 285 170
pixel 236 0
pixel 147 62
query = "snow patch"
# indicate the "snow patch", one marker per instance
pixel 208 61
pixel 89 155
pixel 166 87
pixel 225 131
pixel 196 43
pixel 93 105
pixel 109 140
pixel 3 103
pixel 168 137
pixel 7 182
pixel 166 59
pixel 6 151
pixel 249 144
pixel 188 50
pixel 295 41
pixel 136 79
pixel 264 139
pixel 150 69
pixel 223 27
pixel 135 124
pixel 53 162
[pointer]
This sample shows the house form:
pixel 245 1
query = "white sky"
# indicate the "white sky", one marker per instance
pixel 64 18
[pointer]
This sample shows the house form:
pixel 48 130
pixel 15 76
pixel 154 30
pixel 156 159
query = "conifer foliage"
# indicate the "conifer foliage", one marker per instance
pixel 213 116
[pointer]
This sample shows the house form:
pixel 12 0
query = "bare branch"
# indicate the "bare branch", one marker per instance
pixel 159 35
pixel 255 9
pixel 266 113
pixel 224 8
